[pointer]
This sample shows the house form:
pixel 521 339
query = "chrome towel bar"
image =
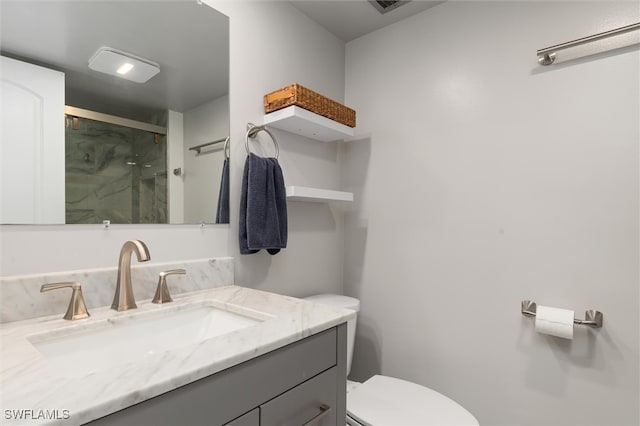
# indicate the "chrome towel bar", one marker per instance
pixel 547 56
pixel 197 148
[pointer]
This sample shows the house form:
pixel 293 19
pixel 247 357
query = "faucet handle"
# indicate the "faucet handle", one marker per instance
pixel 77 308
pixel 162 291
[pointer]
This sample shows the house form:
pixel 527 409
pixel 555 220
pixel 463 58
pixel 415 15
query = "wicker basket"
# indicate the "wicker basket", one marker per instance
pixel 295 94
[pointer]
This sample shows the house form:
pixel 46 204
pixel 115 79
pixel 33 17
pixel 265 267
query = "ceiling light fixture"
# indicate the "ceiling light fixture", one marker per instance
pixel 125 68
pixel 122 64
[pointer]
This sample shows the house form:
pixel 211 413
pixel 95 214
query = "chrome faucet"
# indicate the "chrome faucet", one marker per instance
pixel 123 299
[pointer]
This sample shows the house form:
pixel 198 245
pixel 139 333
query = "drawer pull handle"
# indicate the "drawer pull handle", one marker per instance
pixel 324 410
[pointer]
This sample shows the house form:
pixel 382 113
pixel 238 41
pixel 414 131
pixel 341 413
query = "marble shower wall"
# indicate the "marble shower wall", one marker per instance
pixel 115 173
pixel 21 298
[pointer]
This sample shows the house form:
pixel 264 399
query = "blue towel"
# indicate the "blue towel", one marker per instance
pixel 222 214
pixel 263 206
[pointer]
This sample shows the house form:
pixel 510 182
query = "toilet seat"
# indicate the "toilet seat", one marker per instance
pixel 387 401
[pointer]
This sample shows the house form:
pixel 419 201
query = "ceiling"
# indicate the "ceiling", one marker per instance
pixel 189 41
pixel 350 19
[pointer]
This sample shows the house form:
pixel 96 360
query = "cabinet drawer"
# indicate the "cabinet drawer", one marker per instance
pixel 252 418
pixel 315 399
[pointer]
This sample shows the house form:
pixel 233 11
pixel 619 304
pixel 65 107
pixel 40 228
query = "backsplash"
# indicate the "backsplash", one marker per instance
pixel 21 298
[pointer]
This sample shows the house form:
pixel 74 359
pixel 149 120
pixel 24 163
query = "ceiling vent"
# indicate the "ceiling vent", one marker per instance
pixel 384 6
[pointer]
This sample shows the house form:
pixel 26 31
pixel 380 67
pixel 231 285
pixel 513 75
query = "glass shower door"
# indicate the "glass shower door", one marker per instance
pixel 114 173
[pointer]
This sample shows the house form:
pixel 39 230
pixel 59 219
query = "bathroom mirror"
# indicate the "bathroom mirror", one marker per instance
pixel 114 169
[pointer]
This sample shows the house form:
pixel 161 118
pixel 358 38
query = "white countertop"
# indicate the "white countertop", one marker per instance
pixel 42 388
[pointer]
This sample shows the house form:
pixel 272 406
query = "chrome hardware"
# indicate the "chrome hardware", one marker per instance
pixel 528 308
pixel 253 130
pixel 324 410
pixel 547 55
pixel 593 319
pixel 162 291
pixel 546 58
pixel 77 308
pixel 112 119
pixel 123 298
pixel 227 149
pixel 198 148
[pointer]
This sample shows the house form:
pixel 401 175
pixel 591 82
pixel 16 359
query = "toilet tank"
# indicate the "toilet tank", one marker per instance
pixel 344 302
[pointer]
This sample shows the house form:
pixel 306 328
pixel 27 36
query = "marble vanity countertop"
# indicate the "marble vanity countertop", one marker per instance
pixel 37 390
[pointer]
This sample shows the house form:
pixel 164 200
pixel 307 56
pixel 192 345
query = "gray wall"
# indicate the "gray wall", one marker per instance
pixel 486 180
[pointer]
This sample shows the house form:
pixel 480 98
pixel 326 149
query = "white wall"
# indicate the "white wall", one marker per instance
pixel 486 180
pixel 272 45
pixel 202 173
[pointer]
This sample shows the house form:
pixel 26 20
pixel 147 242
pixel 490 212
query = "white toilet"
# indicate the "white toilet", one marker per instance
pixel 386 401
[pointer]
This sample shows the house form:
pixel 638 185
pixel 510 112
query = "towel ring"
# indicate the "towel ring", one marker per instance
pixel 227 148
pixel 253 130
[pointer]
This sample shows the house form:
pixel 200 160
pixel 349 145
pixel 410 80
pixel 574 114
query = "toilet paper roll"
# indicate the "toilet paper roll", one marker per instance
pixel 554 321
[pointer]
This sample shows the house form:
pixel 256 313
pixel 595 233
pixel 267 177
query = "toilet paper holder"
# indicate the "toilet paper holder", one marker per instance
pixel 592 319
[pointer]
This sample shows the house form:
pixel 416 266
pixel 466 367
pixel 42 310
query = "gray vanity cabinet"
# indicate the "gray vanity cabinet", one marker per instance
pixel 312 402
pixel 252 418
pixel 296 384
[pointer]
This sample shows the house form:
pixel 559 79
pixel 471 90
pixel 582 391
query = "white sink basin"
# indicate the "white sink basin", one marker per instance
pixel 124 338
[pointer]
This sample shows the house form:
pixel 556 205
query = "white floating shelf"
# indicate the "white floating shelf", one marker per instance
pixel 306 123
pixel 303 193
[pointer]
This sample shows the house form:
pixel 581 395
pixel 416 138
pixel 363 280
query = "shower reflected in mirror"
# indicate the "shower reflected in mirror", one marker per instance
pixel 113 171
